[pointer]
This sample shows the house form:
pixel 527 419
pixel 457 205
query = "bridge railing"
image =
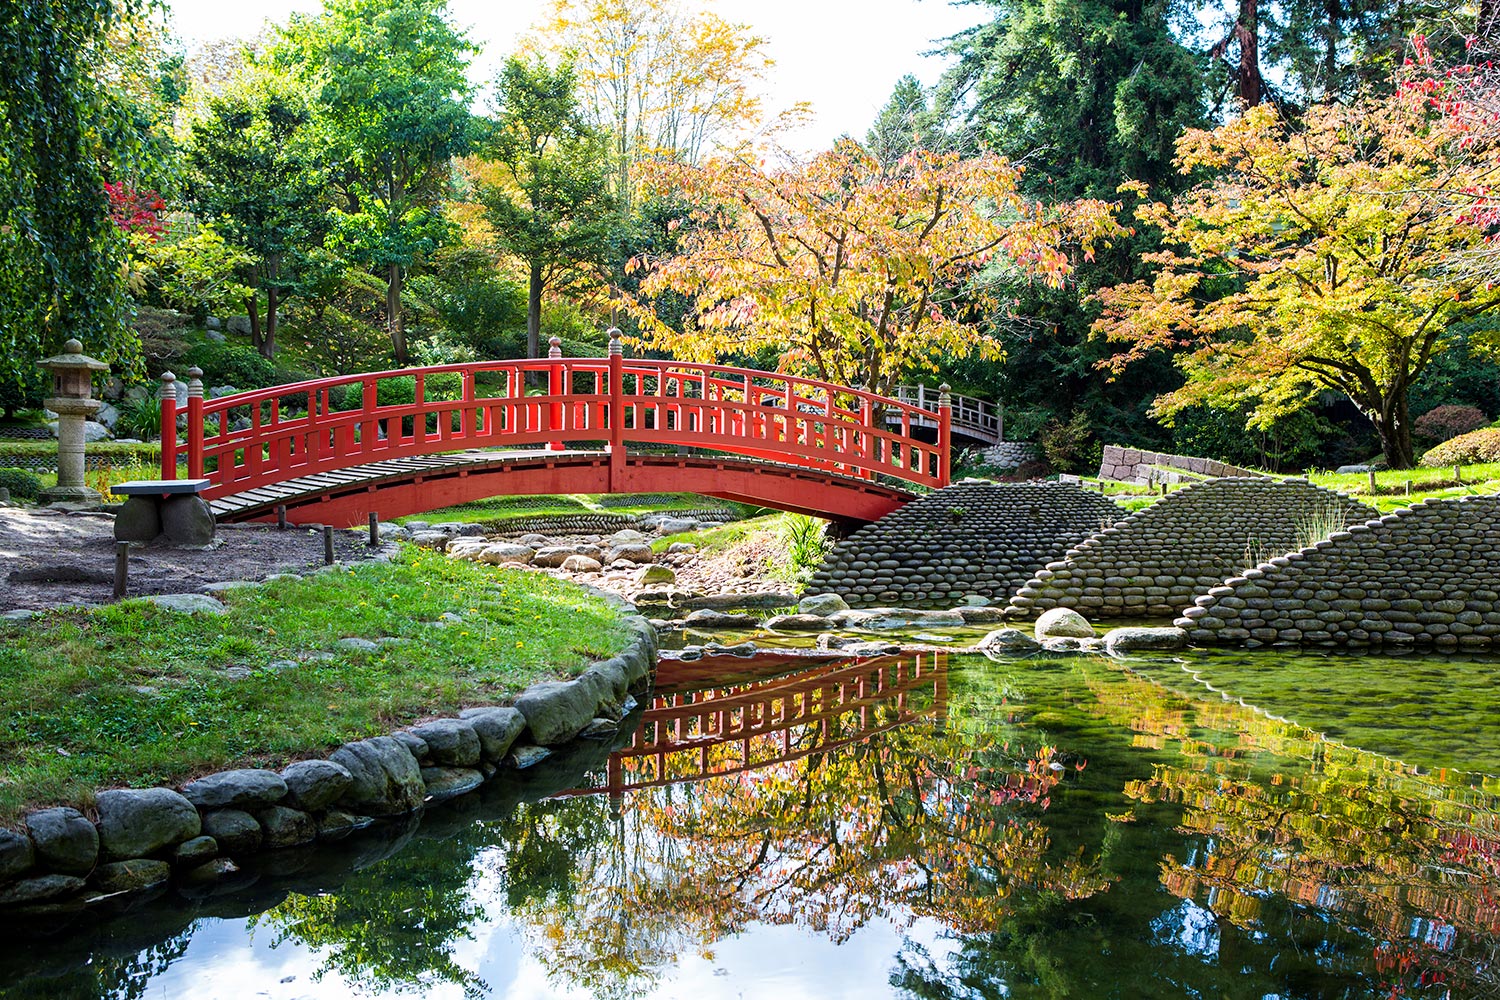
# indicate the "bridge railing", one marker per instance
pixel 972 417
pixel 252 439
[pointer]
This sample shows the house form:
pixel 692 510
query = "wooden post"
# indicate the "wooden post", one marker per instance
pixel 122 568
pixel 1408 487
pixel 555 390
pixel 945 434
pixel 167 398
pixel 281 517
pixel 327 545
pixel 1372 482
pixel 1458 474
pixel 374 529
pixel 616 408
pixel 195 423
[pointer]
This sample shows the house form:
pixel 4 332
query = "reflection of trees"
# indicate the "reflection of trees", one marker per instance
pixel 392 926
pixel 939 818
pixel 1277 814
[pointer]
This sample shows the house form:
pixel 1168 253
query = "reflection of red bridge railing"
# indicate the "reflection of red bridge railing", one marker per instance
pixel 693 735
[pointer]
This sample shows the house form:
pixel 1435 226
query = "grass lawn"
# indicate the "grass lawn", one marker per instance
pixel 136 695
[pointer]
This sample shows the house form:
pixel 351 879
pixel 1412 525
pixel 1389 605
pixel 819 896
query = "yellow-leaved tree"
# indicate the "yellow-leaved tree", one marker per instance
pixel 660 80
pixel 856 272
pixel 1317 255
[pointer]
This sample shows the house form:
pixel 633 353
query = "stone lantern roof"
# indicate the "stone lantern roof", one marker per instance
pixel 73 357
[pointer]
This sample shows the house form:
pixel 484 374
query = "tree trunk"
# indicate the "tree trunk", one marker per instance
pixel 393 319
pixel 1334 11
pixel 268 345
pixel 534 311
pixel 1391 423
pixel 252 309
pixel 1247 30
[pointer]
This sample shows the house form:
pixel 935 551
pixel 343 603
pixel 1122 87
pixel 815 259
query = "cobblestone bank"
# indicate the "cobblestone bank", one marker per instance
pixel 985 539
pixel 1425 574
pixel 1156 561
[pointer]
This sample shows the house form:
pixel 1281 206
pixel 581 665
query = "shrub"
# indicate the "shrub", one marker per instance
pixel 236 365
pixel 1445 422
pixel 1467 449
pixel 23 485
pixel 140 418
pixel 1069 447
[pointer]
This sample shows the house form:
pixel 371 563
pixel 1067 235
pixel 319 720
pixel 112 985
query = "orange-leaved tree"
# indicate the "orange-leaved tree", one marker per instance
pixel 856 272
pixel 1315 256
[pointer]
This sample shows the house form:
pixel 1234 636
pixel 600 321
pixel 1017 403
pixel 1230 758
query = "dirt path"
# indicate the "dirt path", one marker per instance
pixel 49 558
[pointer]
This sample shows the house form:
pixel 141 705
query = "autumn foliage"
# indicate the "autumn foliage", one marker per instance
pixel 855 272
pixel 1317 256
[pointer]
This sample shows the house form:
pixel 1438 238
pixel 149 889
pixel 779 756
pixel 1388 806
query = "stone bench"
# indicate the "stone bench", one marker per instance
pixel 164 508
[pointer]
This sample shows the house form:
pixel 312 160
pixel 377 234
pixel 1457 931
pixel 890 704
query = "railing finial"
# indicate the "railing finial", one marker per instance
pixel 168 388
pixel 555 350
pixel 195 383
pixel 945 397
pixel 615 344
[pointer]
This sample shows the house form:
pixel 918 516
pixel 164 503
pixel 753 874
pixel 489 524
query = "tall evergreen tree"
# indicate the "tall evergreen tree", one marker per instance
pixel 906 123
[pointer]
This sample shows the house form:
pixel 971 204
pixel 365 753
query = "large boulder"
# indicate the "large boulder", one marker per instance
pixel 1062 623
pixel 246 788
pixel 822 604
pixel 497 729
pixel 65 840
pixel 188 604
pixel 283 827
pixel 1129 640
pixel 1008 640
pixel 135 822
pixel 445 783
pixel 582 564
pixel 654 575
pixel 709 618
pixel 556 712
pixel 34 890
pixel 137 520
pixel 134 875
pixel 506 554
pixel 315 785
pixel 450 742
pixel 187 520
pixel 554 556
pixel 384 777
pixel 631 552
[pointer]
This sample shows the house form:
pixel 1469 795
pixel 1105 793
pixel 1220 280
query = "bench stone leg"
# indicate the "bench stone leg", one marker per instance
pixel 187 520
pixel 139 520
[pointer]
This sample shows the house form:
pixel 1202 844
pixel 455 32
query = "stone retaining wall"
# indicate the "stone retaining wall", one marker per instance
pixel 599 523
pixel 970 538
pixel 1157 560
pixel 147 839
pixel 1009 454
pixel 1423 574
pixel 1133 465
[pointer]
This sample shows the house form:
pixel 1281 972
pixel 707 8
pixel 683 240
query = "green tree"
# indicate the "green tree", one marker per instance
pixel 391 97
pixel 548 198
pixel 258 177
pixel 63 255
pixel 906 123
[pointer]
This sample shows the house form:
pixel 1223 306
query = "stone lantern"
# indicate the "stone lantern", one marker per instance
pixel 73 401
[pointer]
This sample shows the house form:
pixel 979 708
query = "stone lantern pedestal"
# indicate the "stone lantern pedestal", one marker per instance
pixel 72 400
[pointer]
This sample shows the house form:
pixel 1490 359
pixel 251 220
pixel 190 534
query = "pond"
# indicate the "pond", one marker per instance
pixel 929 825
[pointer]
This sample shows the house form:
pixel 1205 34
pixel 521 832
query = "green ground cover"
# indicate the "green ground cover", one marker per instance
pixel 132 694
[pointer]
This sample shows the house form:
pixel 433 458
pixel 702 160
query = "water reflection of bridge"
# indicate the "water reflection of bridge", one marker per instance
pixel 693 733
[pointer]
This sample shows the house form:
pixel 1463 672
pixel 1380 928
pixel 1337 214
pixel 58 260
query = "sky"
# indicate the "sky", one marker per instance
pixel 844 56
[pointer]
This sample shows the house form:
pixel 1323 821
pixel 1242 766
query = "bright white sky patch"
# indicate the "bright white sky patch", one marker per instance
pixel 843 56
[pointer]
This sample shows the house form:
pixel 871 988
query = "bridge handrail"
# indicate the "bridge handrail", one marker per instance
pixel 971 415
pixel 786 418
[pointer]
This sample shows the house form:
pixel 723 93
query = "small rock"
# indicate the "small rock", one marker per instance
pixel 435 540
pixel 599 729
pixel 134 875
pixel 32 890
pixel 283 827
pixel 443 783
pixel 822 604
pixel 556 712
pixel 1008 640
pixel 627 536
pixel 450 742
pixel 16 854
pixel 246 788
pixel 337 824
pixel 978 615
pixel 632 553
pixel 709 618
pixel 192 853
pixel 235 831
pixel 413 743
pixel 682 549
pixel 1063 623
pixel 226 586
pixel 654 575
pixel 582 564
pixel 188 603
pixel 798 623
pixel 506 554
pixel 65 840
pixel 676 525
pixel 522 757
pixel 497 729
pixel 207 874
pixel 1125 640
pixel 313 785
pixel 357 645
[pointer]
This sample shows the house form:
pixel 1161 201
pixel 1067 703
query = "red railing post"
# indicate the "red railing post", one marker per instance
pixel 616 408
pixel 167 397
pixel 945 434
pixel 195 423
pixel 555 390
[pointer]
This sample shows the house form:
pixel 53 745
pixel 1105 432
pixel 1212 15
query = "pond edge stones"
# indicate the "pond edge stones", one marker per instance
pixel 1425 574
pixel 146 837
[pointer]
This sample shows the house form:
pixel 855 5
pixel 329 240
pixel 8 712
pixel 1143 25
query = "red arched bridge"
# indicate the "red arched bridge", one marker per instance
pixel 335 450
